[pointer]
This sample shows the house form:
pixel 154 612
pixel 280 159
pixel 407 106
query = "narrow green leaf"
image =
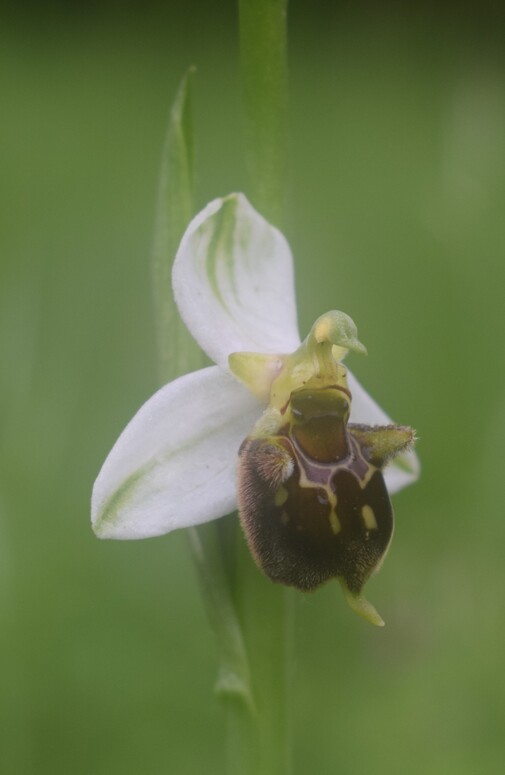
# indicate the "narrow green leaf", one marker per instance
pixel 209 551
pixel 177 352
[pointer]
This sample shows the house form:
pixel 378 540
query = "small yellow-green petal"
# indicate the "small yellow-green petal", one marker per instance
pixel 256 371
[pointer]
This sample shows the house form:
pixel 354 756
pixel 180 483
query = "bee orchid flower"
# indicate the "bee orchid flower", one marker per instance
pixel 277 427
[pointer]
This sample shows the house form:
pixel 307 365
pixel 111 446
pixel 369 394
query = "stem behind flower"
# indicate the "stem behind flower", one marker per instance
pixel 263 49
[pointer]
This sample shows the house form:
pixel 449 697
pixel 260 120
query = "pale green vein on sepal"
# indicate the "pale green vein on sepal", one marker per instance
pixel 177 351
pixel 221 246
pixel 110 513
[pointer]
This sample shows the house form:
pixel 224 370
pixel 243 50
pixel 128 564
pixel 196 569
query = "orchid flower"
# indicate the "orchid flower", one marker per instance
pixel 175 464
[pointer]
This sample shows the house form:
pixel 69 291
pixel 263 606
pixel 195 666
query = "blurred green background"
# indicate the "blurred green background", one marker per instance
pixel 397 204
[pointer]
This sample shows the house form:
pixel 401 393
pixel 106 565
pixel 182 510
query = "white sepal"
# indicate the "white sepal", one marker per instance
pixel 233 282
pixel 174 464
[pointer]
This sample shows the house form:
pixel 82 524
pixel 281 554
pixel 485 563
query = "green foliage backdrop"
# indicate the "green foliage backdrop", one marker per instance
pixel 396 216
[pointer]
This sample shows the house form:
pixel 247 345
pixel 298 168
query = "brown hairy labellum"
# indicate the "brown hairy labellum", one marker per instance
pixel 312 497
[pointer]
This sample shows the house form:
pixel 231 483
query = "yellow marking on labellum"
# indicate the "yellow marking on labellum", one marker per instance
pixel 369 517
pixel 284 518
pixel 370 469
pixel 334 522
pixel 363 483
pixel 281 496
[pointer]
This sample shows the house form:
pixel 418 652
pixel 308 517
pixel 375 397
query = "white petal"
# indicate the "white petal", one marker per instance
pixel 233 282
pixel 363 408
pixel 174 465
pixel 402 471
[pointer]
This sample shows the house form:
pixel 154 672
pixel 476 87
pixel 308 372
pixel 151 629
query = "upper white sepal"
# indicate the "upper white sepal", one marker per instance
pixel 233 282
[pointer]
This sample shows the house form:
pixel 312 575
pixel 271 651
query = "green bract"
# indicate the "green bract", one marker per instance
pixel 175 464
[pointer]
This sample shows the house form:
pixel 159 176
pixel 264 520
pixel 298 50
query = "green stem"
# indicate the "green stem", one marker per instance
pixel 258 738
pixel 177 351
pixel 265 614
pixel 263 48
